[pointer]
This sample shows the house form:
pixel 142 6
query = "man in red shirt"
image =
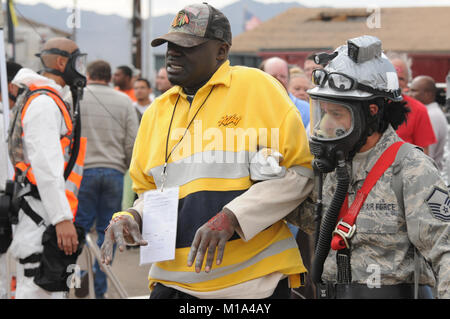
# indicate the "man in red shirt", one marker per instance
pixel 417 129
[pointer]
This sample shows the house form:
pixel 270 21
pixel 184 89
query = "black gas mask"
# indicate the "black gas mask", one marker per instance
pixel 336 126
pixel 74 73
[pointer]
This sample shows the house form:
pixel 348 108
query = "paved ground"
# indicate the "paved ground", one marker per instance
pixel 132 276
pixel 126 269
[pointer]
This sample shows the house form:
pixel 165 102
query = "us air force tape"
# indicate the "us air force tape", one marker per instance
pixel 439 203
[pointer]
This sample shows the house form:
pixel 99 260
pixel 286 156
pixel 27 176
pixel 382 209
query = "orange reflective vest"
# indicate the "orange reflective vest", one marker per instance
pixel 73 181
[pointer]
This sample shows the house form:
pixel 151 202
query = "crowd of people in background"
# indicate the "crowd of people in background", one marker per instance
pixel 426 126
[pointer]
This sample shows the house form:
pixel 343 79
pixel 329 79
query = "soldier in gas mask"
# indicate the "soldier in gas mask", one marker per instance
pixel 47 153
pixel 385 208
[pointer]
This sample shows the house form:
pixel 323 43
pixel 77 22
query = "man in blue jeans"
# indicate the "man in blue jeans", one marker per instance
pixel 110 123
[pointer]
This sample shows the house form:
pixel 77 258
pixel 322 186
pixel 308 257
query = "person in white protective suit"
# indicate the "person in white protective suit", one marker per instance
pixel 41 140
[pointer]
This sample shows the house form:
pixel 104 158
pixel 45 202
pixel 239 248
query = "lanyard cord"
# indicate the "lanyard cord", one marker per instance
pixel 187 128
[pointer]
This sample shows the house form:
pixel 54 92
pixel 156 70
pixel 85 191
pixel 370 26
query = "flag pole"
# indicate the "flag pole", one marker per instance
pixel 148 70
pixel 11 32
pixel 244 16
pixel 5 103
pixel 3 77
pixel 4 90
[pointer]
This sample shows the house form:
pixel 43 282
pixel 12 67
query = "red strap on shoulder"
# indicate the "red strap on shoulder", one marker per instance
pixel 347 217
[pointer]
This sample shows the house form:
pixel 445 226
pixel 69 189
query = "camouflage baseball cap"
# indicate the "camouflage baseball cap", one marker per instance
pixel 196 24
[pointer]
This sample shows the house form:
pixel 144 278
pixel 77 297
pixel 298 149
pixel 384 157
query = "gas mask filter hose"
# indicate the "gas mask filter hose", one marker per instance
pixel 329 221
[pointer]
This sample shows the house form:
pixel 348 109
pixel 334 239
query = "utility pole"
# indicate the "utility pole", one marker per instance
pixel 11 33
pixel 4 91
pixel 3 77
pixel 136 50
pixel 142 54
pixel 75 22
pixel 3 135
pixel 147 52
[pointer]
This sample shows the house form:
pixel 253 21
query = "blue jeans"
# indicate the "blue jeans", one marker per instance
pixel 100 196
pixel 293 229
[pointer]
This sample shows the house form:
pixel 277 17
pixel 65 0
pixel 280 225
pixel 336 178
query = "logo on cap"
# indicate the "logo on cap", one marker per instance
pixel 180 20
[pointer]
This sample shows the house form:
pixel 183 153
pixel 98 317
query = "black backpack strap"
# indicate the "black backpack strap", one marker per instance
pixel 34 258
pixel 31 213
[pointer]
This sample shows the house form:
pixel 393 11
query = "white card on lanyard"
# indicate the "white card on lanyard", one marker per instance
pixel 159 225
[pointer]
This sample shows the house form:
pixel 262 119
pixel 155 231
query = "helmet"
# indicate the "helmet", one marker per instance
pixel 359 71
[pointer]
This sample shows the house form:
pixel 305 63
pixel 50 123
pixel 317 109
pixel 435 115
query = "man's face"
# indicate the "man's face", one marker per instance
pixel 336 120
pixel 14 91
pixel 419 91
pixel 141 90
pixel 402 74
pixel 119 78
pixel 279 70
pixel 191 67
pixel 309 67
pixel 162 82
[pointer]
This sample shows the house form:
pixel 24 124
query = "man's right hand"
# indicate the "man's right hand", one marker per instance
pixel 122 229
pixel 67 237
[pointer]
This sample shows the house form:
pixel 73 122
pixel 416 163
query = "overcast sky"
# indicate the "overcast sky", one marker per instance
pixel 160 7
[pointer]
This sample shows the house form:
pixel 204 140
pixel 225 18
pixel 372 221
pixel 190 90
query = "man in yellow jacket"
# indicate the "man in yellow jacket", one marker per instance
pixel 233 145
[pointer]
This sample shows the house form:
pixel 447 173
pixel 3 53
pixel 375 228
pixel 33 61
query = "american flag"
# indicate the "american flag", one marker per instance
pixel 250 20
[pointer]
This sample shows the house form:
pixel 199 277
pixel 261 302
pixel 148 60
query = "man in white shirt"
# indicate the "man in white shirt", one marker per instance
pixel 423 88
pixel 142 91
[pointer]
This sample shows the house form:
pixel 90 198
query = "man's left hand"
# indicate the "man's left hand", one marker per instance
pixel 214 234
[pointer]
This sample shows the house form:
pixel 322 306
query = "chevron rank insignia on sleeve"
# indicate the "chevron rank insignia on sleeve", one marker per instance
pixel 439 204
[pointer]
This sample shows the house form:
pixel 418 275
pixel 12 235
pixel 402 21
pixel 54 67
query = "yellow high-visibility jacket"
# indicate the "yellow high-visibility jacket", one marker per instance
pixel 242 110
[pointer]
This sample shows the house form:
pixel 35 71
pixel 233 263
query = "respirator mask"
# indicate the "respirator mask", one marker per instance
pixel 336 126
pixel 75 71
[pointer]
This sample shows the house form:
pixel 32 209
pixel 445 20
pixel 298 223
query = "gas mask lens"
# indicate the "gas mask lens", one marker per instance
pixel 80 63
pixel 330 121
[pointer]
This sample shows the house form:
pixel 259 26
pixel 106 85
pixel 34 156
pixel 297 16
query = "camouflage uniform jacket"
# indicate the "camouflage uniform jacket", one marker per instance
pixel 382 249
